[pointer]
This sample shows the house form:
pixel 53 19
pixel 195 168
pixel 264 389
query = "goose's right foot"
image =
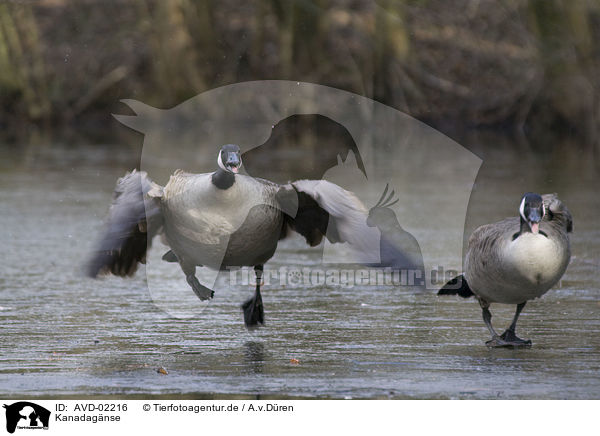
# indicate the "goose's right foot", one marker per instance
pixel 201 291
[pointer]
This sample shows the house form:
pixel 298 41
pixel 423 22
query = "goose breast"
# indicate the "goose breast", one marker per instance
pixel 502 270
pixel 206 225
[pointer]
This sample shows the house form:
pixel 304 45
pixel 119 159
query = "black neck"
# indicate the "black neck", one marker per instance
pixel 524 229
pixel 223 179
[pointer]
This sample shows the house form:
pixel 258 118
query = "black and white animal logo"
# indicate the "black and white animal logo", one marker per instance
pixel 26 415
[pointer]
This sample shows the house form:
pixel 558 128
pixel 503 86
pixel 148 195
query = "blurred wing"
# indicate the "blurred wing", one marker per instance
pixel 317 208
pixel 134 219
pixel 557 211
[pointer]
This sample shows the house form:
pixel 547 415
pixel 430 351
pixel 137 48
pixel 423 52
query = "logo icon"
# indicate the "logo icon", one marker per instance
pixel 26 415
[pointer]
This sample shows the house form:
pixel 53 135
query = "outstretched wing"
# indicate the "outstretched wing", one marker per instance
pixel 318 208
pixel 134 219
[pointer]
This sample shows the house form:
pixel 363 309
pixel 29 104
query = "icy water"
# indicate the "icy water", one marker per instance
pixel 64 335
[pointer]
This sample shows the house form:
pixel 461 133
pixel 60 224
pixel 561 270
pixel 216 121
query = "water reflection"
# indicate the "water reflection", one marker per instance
pixel 255 354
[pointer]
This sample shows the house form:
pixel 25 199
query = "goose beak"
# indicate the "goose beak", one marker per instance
pixel 234 162
pixel 533 220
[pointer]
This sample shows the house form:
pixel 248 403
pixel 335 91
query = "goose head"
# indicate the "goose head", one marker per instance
pixel 531 210
pixel 230 158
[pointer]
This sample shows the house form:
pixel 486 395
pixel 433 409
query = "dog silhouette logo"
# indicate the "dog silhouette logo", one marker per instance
pixel 26 415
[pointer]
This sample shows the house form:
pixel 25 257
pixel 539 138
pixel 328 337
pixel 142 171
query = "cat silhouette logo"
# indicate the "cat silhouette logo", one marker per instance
pixel 26 415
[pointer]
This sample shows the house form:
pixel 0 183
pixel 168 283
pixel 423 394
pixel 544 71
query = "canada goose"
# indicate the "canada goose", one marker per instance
pixel 223 219
pixel 516 260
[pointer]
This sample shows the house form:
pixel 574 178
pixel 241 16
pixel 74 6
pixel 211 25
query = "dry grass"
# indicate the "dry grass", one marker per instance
pixel 473 62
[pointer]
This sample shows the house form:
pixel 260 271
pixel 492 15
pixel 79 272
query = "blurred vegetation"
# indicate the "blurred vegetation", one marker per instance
pixel 531 66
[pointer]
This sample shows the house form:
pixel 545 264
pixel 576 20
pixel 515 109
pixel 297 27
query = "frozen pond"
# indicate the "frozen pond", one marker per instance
pixel 66 335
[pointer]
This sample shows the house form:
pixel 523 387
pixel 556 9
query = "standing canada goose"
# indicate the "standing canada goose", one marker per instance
pixel 223 219
pixel 516 260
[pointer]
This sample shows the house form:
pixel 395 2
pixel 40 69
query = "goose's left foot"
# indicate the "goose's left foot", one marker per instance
pixel 508 339
pixel 511 338
pixel 496 342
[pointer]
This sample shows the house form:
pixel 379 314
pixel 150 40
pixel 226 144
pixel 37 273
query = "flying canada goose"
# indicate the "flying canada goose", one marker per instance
pixel 224 219
pixel 516 260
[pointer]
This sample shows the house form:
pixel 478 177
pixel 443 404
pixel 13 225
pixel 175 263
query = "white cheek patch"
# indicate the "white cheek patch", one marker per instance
pixel 220 163
pixel 543 210
pixel 522 209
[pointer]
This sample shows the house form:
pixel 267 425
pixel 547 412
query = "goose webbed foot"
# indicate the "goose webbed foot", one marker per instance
pixel 201 291
pixel 254 314
pixel 508 339
pixel 496 342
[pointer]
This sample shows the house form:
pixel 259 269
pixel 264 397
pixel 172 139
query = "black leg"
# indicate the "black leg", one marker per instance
pixel 510 336
pixel 496 341
pixel 487 319
pixel 520 307
pixel 254 314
